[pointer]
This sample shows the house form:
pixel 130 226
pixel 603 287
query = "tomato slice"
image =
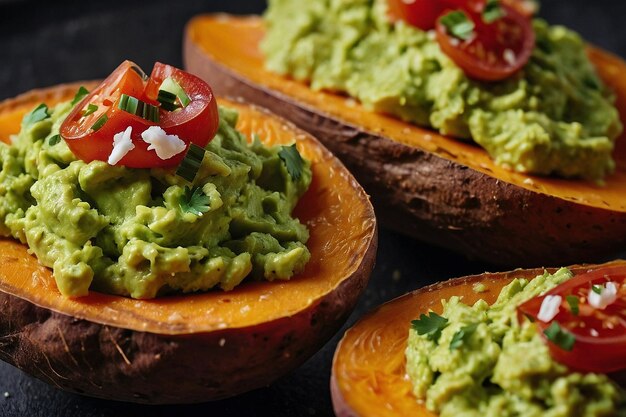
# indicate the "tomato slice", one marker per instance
pixel 196 122
pixel 599 334
pixel 496 51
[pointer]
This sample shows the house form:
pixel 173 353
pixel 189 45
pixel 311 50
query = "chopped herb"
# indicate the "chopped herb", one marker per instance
pixel 100 122
pixel 573 301
pixel 170 85
pixel 91 108
pixel 462 336
pixel 293 161
pixel 139 108
pixel 597 289
pixel 54 140
pixel 458 25
pixel 562 338
pixel 430 325
pixel 80 94
pixel 188 168
pixel 40 113
pixel 168 100
pixel 591 82
pixel 492 11
pixel 195 201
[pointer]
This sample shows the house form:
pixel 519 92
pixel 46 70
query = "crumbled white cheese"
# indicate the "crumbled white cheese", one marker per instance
pixel 166 146
pixel 509 56
pixel 607 296
pixel 122 144
pixel 594 333
pixel 549 308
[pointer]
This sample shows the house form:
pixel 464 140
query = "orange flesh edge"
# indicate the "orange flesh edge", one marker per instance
pixel 369 365
pixel 234 43
pixel 335 209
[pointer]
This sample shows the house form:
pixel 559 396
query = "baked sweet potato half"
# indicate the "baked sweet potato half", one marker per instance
pixel 192 348
pixel 438 189
pixel 368 372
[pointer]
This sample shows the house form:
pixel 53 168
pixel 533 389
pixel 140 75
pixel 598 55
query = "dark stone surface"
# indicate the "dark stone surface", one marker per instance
pixel 46 43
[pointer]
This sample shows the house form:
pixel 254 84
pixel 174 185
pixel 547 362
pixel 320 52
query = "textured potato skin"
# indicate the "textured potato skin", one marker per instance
pixel 113 362
pixel 119 364
pixel 438 200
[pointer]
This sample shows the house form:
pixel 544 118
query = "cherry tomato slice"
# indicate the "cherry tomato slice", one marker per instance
pixel 198 121
pixel 599 334
pixel 195 123
pixel 496 51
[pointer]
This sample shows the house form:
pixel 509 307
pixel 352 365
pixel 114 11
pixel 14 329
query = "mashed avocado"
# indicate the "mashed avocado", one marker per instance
pixel 553 117
pixel 502 368
pixel 130 232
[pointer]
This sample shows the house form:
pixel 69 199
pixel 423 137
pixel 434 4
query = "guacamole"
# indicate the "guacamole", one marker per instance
pixel 502 368
pixel 554 117
pixel 143 233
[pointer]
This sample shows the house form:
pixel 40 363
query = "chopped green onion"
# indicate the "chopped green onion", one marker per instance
pixel 170 85
pixel 167 100
pixel 562 338
pixel 100 122
pixel 492 11
pixel 139 108
pixel 573 301
pixel 458 25
pixel 54 140
pixel 80 94
pixel 597 289
pixel 189 167
pixel 37 115
pixel 91 108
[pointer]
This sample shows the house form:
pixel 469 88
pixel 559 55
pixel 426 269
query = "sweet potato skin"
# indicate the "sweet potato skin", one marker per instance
pixel 436 199
pixel 368 373
pixel 97 355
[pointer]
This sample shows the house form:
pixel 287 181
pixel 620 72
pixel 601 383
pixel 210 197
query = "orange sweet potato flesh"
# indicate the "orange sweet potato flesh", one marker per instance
pixel 214 344
pixel 368 374
pixel 433 187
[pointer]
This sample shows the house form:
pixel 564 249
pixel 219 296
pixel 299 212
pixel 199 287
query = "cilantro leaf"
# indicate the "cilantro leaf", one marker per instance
pixel 80 94
pixel 597 289
pixel 492 11
pixel 54 140
pixel 458 25
pixel 573 301
pixel 194 201
pixel 562 338
pixel 462 336
pixel 430 325
pixel 293 161
pixel 40 113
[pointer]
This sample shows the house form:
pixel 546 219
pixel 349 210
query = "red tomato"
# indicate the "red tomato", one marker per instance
pixel 195 123
pixel 599 334
pixel 496 51
pixel 420 13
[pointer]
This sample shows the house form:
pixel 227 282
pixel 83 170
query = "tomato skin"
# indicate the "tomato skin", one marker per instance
pixel 513 33
pixel 420 13
pixel 606 351
pixel 195 123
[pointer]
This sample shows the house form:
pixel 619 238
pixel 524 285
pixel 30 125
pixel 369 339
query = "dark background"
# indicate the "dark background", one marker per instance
pixel 50 42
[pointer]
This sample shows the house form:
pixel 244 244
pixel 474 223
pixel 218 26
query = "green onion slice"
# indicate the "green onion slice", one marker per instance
pixel 169 91
pixel 139 108
pixel 91 108
pixel 189 167
pixel 100 122
pixel 80 94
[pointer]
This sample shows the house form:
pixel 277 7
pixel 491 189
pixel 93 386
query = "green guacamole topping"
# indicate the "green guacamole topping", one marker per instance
pixel 553 117
pixel 502 368
pixel 143 233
